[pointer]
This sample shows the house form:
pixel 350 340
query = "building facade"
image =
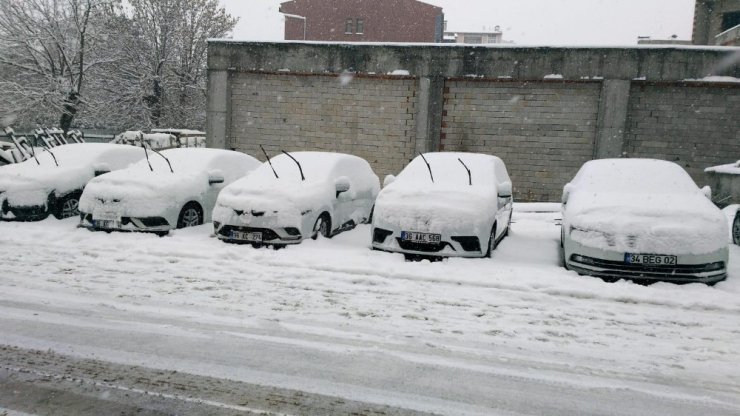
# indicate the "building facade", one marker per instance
pixel 717 22
pixel 473 38
pixel 362 21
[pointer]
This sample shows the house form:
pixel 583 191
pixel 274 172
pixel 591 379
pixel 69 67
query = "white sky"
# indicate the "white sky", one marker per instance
pixel 526 22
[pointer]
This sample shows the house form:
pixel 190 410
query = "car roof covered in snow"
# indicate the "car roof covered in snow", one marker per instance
pixel 192 159
pixel 448 170
pixel 317 167
pixel 633 176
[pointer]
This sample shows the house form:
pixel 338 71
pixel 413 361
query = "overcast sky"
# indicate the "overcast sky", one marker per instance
pixel 526 22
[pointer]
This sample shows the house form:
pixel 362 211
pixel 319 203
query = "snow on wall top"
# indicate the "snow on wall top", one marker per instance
pixel 731 168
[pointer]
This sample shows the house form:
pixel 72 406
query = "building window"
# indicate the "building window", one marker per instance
pixel 349 26
pixel 730 20
pixel 360 26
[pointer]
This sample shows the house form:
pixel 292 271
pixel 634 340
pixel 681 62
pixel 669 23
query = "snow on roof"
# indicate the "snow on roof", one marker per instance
pixel 634 176
pixel 449 172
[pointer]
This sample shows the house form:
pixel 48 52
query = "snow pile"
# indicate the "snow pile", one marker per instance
pixel 450 203
pixel 153 140
pixel 288 196
pixel 29 183
pixel 142 191
pixel 643 206
pixel 731 168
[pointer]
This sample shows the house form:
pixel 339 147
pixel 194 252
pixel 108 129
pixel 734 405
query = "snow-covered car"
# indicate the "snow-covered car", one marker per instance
pixel 444 205
pixel 642 219
pixel 297 196
pixel 176 188
pixel 52 181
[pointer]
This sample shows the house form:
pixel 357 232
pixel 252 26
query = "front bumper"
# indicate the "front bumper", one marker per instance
pixel 147 224
pixel 31 213
pixel 270 236
pixel 706 268
pixel 449 246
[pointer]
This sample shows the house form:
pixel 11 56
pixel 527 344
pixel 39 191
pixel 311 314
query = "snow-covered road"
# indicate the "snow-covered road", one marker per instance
pixel 515 334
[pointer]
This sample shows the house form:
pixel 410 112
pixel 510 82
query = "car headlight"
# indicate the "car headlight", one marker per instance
pixel 592 236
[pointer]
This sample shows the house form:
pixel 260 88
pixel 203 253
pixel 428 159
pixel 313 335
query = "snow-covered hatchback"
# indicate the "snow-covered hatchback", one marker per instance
pixel 51 183
pixel 444 205
pixel 297 196
pixel 642 219
pixel 176 188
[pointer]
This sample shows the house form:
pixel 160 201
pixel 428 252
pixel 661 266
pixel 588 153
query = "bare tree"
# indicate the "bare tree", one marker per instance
pixel 48 49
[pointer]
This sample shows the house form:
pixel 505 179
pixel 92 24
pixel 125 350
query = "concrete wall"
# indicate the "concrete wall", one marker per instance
pixel 404 99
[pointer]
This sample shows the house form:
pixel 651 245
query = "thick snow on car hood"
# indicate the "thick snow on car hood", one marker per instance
pixel 414 202
pixel 143 191
pixel 29 183
pixel 287 196
pixel 642 205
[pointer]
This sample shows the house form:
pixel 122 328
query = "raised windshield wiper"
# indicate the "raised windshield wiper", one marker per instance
pixel 146 153
pixel 470 177
pixel 428 167
pixel 303 178
pixel 268 161
pixel 53 157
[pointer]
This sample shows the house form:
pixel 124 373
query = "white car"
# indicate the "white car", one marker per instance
pixel 297 196
pixel 176 188
pixel 52 180
pixel 443 205
pixel 642 219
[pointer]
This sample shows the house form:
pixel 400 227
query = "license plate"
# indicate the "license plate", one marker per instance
pixel 253 236
pixel 650 259
pixel 106 216
pixel 423 238
pixel 106 224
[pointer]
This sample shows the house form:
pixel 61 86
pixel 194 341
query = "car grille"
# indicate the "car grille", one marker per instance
pixel 426 248
pixel 468 243
pixel 28 212
pixel 267 234
pixel 680 271
pixel 380 234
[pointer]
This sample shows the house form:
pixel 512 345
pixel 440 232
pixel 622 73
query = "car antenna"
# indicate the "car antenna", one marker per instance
pixel 470 176
pixel 268 161
pixel 303 178
pixel 165 158
pixel 428 166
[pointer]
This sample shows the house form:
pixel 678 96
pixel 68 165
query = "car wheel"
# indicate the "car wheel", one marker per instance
pixel 736 228
pixel 492 241
pixel 322 226
pixel 67 207
pixel 190 216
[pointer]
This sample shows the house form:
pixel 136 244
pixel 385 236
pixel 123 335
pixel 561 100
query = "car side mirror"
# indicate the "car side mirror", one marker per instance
pixel 101 169
pixel 342 184
pixel 505 190
pixel 215 177
pixel 707 191
pixel 566 193
pixel 389 179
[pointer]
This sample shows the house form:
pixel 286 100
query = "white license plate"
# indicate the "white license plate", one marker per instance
pixel 650 259
pixel 107 224
pixel 106 216
pixel 423 238
pixel 240 235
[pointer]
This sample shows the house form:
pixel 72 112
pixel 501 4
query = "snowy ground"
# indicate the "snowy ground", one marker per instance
pixel 515 334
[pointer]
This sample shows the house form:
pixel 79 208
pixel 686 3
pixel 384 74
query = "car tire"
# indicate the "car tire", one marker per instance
pixel 492 243
pixel 190 216
pixel 67 207
pixel 322 226
pixel 736 228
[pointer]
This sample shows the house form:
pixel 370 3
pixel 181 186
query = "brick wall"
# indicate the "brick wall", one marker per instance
pixel 369 117
pixel 694 126
pixel 544 131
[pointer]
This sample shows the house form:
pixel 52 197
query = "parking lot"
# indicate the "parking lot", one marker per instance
pixel 333 317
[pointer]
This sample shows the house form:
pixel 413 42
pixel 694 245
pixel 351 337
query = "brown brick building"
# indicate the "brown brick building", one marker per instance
pixel 362 21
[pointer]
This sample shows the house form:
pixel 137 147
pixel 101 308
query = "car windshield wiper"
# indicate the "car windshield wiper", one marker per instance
pixel 166 160
pixel 270 162
pixel 303 178
pixel 428 166
pixel 470 176
pixel 52 156
pixel 146 153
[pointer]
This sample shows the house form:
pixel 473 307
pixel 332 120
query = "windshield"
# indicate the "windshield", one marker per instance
pixel 634 176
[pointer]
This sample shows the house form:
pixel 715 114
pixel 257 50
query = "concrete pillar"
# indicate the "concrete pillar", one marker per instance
pixel 612 119
pixel 429 114
pixel 217 110
pixel 702 16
